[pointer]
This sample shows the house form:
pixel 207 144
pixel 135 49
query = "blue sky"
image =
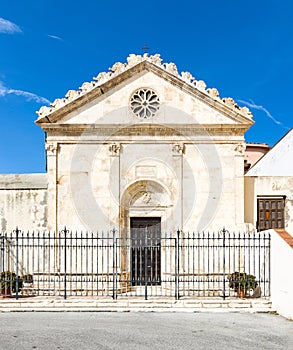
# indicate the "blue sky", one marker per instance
pixel 243 48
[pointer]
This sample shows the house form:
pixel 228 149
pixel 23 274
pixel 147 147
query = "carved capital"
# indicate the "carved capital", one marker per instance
pixel 276 186
pixel 240 149
pixel 178 149
pixel 114 149
pixel 51 149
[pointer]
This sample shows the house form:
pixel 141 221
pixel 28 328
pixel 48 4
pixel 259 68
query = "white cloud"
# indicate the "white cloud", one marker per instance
pixel 251 104
pixel 55 37
pixel 8 27
pixel 29 96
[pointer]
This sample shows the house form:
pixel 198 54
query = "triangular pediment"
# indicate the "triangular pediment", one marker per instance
pixel 183 99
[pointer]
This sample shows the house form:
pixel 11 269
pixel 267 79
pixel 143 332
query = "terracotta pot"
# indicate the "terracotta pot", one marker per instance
pixel 241 293
pixel 5 293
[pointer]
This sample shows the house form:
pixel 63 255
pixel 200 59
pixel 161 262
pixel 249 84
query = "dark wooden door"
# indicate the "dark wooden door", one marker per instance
pixel 270 213
pixel 145 251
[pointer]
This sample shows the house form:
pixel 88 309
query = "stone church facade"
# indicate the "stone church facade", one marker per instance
pixel 141 143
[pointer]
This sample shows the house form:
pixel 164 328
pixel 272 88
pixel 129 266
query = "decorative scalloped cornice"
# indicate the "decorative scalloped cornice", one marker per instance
pixel 133 60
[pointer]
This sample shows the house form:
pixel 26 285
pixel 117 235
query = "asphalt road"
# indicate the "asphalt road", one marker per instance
pixel 85 330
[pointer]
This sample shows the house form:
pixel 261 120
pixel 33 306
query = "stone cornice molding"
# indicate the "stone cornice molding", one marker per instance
pixel 119 72
pixel 145 129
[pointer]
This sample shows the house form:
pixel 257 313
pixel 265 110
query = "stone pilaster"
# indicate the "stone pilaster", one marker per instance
pixel 177 158
pixel 114 151
pixel 239 151
pixel 52 170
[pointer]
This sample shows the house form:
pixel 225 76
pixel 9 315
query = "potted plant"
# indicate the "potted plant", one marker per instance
pixel 242 283
pixel 28 279
pixel 8 283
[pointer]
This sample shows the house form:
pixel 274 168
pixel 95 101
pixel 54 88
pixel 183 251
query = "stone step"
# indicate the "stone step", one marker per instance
pixel 135 304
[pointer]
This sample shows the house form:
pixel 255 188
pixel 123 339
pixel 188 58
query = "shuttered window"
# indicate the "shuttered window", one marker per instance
pixel 270 212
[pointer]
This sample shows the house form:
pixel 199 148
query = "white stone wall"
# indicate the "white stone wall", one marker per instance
pixel 177 106
pixel 23 202
pixel 218 178
pixel 197 188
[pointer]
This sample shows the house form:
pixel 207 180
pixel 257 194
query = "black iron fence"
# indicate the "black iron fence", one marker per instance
pixel 178 265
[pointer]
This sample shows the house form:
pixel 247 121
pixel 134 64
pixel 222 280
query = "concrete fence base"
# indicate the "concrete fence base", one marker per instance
pixel 135 305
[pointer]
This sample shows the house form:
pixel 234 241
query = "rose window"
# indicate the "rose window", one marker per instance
pixel 144 103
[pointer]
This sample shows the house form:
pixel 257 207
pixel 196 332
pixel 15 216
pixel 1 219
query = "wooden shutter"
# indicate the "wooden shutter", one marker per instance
pixel 270 213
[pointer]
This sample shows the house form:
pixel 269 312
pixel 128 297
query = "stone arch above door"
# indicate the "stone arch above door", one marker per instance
pixel 145 198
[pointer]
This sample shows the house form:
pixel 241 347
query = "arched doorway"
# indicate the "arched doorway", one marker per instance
pixel 145 207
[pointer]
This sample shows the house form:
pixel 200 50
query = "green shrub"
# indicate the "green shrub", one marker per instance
pixel 242 281
pixel 8 281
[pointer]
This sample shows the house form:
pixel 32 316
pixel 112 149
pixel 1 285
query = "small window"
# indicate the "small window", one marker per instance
pixel 270 212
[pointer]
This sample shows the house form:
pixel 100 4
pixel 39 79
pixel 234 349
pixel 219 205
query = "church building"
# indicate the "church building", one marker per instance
pixel 140 145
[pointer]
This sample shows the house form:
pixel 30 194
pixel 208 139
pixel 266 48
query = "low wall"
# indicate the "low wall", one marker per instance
pixel 23 202
pixel 281 272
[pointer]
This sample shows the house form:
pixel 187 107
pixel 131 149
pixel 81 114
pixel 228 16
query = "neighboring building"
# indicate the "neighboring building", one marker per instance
pixel 269 188
pixel 253 152
pixel 140 145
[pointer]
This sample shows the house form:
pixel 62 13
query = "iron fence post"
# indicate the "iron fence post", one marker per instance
pixel 16 258
pixel 224 263
pixel 145 264
pixel 114 265
pixel 177 265
pixel 269 264
pixel 65 262
pixel 2 253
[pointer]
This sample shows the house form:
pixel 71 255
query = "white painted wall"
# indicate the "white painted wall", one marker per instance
pixel 281 276
pixel 278 161
pixel 268 186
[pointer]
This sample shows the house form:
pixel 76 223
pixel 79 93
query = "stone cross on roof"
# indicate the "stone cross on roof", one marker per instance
pixel 145 48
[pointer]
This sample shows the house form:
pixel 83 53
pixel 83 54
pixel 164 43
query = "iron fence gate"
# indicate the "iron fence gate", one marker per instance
pixel 178 265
